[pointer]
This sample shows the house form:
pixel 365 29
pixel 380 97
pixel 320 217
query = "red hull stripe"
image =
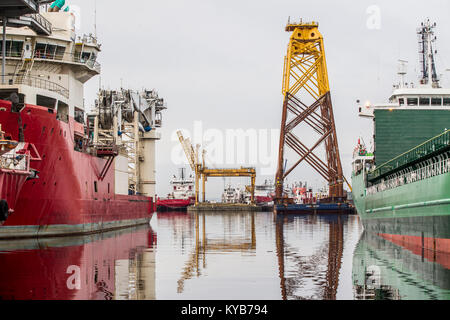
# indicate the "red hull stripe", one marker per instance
pixel 435 249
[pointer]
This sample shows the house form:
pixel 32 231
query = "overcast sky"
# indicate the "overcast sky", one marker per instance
pixel 220 62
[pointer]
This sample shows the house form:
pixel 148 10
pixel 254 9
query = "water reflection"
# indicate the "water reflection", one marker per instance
pixel 251 255
pixel 322 267
pixel 113 265
pixel 385 270
pixel 238 256
pixel 217 243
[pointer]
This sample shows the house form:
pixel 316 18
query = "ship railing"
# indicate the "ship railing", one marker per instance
pixel 40 83
pixel 431 168
pixel 90 63
pixel 11 53
pixel 57 57
pixel 87 39
pixel 425 150
pixel 41 24
pixel 68 57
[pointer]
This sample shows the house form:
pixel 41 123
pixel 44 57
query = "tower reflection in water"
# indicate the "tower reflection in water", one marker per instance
pixel 314 276
pixel 251 255
pixel 113 265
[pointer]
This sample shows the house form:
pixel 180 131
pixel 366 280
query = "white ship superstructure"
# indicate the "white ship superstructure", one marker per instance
pixel 231 195
pixel 50 68
pixel 182 187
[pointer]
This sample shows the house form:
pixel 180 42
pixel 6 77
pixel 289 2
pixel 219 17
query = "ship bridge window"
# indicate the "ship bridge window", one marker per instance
pixel 401 101
pixel 63 112
pixel 45 51
pixel 413 101
pixel 424 101
pixel 446 102
pixel 436 101
pixel 49 51
pixel 60 51
pixel 85 57
pixel 13 48
pixel 46 102
pixel 40 51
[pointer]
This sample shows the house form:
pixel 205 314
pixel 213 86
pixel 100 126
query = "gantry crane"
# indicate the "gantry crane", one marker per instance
pixel 201 171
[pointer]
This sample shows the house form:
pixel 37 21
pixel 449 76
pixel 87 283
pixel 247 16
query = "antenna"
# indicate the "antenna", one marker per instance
pixel 95 18
pixel 427 61
pixel 402 71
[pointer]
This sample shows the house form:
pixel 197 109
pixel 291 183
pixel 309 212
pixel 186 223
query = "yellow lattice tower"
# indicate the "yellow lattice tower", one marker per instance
pixel 305 77
pixel 305 65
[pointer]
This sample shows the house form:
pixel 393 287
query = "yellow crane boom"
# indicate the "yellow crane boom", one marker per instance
pixel 202 171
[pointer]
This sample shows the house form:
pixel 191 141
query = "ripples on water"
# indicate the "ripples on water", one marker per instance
pixel 223 256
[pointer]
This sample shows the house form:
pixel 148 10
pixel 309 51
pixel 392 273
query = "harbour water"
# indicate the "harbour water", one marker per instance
pixel 214 256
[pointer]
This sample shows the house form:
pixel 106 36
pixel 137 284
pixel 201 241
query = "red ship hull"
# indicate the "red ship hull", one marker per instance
pixel 11 183
pixel 69 197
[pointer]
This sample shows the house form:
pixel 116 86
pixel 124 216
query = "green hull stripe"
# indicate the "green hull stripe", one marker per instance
pixel 411 205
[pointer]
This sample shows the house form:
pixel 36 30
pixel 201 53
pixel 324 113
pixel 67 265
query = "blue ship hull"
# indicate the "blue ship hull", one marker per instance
pixel 315 208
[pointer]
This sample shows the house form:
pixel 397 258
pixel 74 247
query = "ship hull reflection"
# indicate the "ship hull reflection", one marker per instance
pixel 106 266
pixel 385 270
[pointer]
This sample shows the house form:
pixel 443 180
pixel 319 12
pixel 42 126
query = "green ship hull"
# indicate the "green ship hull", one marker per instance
pixel 416 213
pixel 407 199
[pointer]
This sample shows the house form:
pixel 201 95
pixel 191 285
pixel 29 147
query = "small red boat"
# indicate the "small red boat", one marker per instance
pixel 182 195
pixel 173 204
pixel 264 193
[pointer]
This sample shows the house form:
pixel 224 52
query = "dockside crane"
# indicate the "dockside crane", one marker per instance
pixel 201 171
pixel 192 156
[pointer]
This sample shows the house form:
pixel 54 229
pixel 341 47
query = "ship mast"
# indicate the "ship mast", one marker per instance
pixel 402 72
pixel 426 40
